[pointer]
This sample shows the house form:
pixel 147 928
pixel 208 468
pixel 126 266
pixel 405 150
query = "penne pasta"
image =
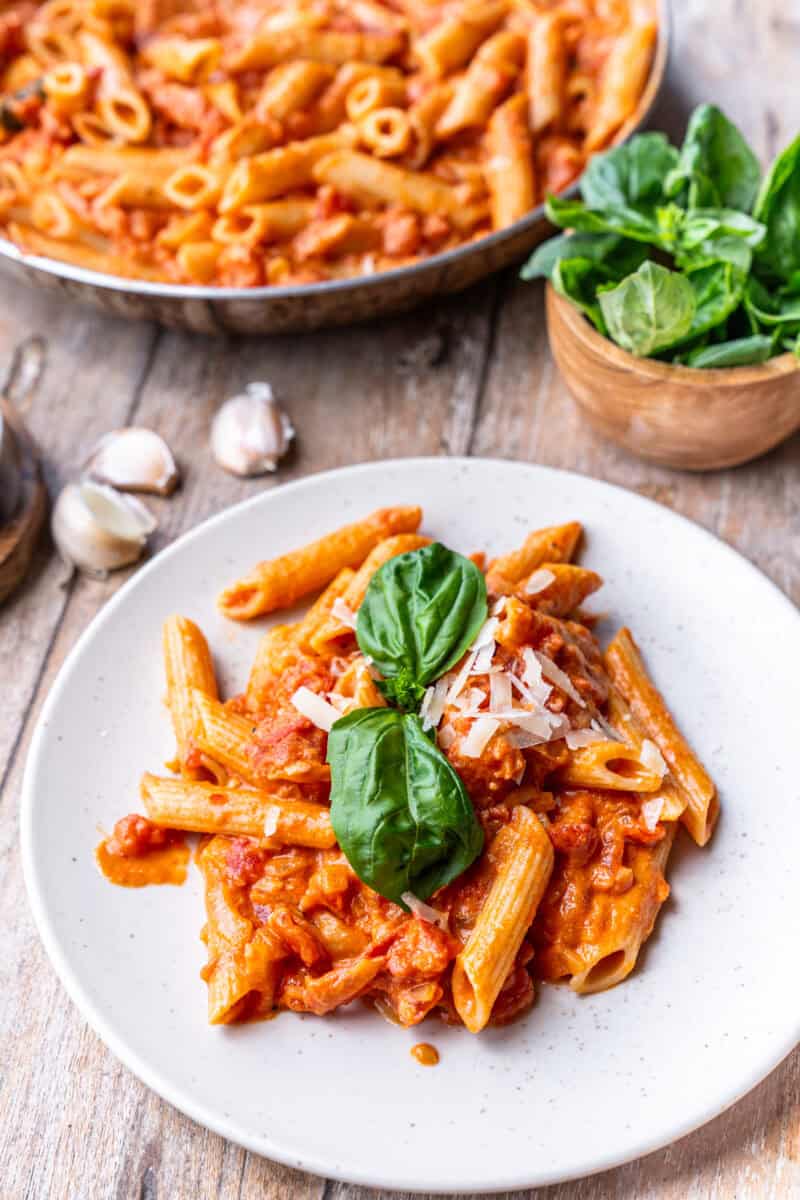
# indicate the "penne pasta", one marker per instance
pixel 188 668
pixel 283 581
pixel 509 168
pixel 627 671
pixel 525 863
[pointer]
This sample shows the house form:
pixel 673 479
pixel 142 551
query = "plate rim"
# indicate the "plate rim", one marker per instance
pixel 184 1103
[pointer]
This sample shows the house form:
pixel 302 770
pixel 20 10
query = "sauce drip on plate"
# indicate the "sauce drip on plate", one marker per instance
pixel 139 853
pixel 425 1054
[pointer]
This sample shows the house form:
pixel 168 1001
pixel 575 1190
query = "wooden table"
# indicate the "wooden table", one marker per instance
pixel 470 375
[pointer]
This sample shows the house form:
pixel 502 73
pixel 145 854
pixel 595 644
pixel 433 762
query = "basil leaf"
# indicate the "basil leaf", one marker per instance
pixel 578 280
pixel 631 175
pixel 615 253
pixel 652 309
pixel 715 166
pixel 778 207
pixel 734 250
pixel 739 352
pixel 573 214
pixel 768 310
pixel 401 814
pixel 420 613
pixel 718 291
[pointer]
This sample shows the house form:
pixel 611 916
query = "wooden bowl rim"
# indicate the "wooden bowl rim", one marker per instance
pixel 781 365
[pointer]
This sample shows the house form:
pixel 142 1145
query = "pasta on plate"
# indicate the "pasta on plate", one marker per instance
pixel 435 788
pixel 291 141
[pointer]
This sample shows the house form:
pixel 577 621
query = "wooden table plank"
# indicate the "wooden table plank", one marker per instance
pixel 469 374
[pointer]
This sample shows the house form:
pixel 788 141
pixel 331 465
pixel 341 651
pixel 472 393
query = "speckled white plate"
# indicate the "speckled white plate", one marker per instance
pixel 581 1083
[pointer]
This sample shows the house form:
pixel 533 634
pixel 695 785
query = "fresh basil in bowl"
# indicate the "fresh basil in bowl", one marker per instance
pixel 683 254
pixel 400 812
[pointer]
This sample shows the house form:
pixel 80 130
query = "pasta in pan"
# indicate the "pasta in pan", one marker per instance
pixel 435 788
pixel 291 141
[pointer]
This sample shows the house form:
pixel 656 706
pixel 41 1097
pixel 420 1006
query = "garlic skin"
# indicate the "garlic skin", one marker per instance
pixel 98 529
pixel 250 433
pixel 134 459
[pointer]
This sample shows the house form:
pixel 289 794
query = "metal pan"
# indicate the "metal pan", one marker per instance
pixel 301 308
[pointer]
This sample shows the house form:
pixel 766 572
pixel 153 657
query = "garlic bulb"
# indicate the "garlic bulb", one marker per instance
pixel 250 433
pixel 134 459
pixel 98 529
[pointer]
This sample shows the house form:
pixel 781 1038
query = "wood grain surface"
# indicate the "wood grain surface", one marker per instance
pixel 468 375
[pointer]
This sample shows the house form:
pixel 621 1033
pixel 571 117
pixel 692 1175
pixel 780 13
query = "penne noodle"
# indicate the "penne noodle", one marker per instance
pixel 563 592
pixel 283 581
pixel 193 186
pixel 276 172
pixel 609 765
pixel 452 42
pixel 546 72
pixel 188 668
pixel 509 168
pixel 386 132
pixel 120 107
pixel 292 86
pixel 555 544
pixel 269 48
pixel 384 90
pixel 525 863
pixel 184 59
pixel 622 84
pixel 211 808
pixel 489 77
pixel 627 671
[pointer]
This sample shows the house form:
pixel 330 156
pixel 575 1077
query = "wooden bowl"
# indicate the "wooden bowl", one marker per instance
pixel 699 420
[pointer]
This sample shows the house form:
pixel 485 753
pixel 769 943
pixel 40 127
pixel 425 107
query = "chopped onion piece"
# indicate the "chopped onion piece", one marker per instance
pixel 478 737
pixel 577 738
pixel 343 613
pixel 316 708
pixel 424 912
pixel 652 758
pixel 651 811
pixel 539 580
pixel 559 678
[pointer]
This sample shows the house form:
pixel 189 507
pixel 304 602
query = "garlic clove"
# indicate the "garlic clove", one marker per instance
pixel 134 459
pixel 98 529
pixel 250 433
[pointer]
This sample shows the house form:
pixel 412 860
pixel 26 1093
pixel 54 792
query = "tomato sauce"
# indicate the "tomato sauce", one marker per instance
pixel 139 853
pixel 425 1054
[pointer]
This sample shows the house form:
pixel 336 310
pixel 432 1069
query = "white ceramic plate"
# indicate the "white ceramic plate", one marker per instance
pixel 581 1083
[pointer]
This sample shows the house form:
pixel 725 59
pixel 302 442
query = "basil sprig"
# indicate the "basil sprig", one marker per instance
pixel 683 253
pixel 420 613
pixel 401 814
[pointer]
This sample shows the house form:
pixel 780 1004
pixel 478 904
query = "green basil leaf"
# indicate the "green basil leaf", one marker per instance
pixel 420 613
pixel 739 352
pixel 734 250
pixel 615 253
pixel 401 814
pixel 769 310
pixel 573 214
pixel 652 309
pixel 778 207
pixel 718 291
pixel 578 280
pixel 715 166
pixel 631 175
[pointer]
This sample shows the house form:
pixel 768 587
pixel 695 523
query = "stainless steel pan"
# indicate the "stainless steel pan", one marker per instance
pixel 311 306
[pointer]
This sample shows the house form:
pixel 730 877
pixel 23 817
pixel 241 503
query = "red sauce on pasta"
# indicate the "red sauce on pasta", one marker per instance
pixel 139 852
pixel 425 1054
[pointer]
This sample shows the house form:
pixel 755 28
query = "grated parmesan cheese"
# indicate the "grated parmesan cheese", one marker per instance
pixel 447 735
pixel 559 678
pixel 539 581
pixel 500 692
pixel 474 744
pixel 271 816
pixel 576 738
pixel 342 613
pixel 425 912
pixel 316 708
pixel 652 758
pixel 499 606
pixel 434 702
pixel 651 811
